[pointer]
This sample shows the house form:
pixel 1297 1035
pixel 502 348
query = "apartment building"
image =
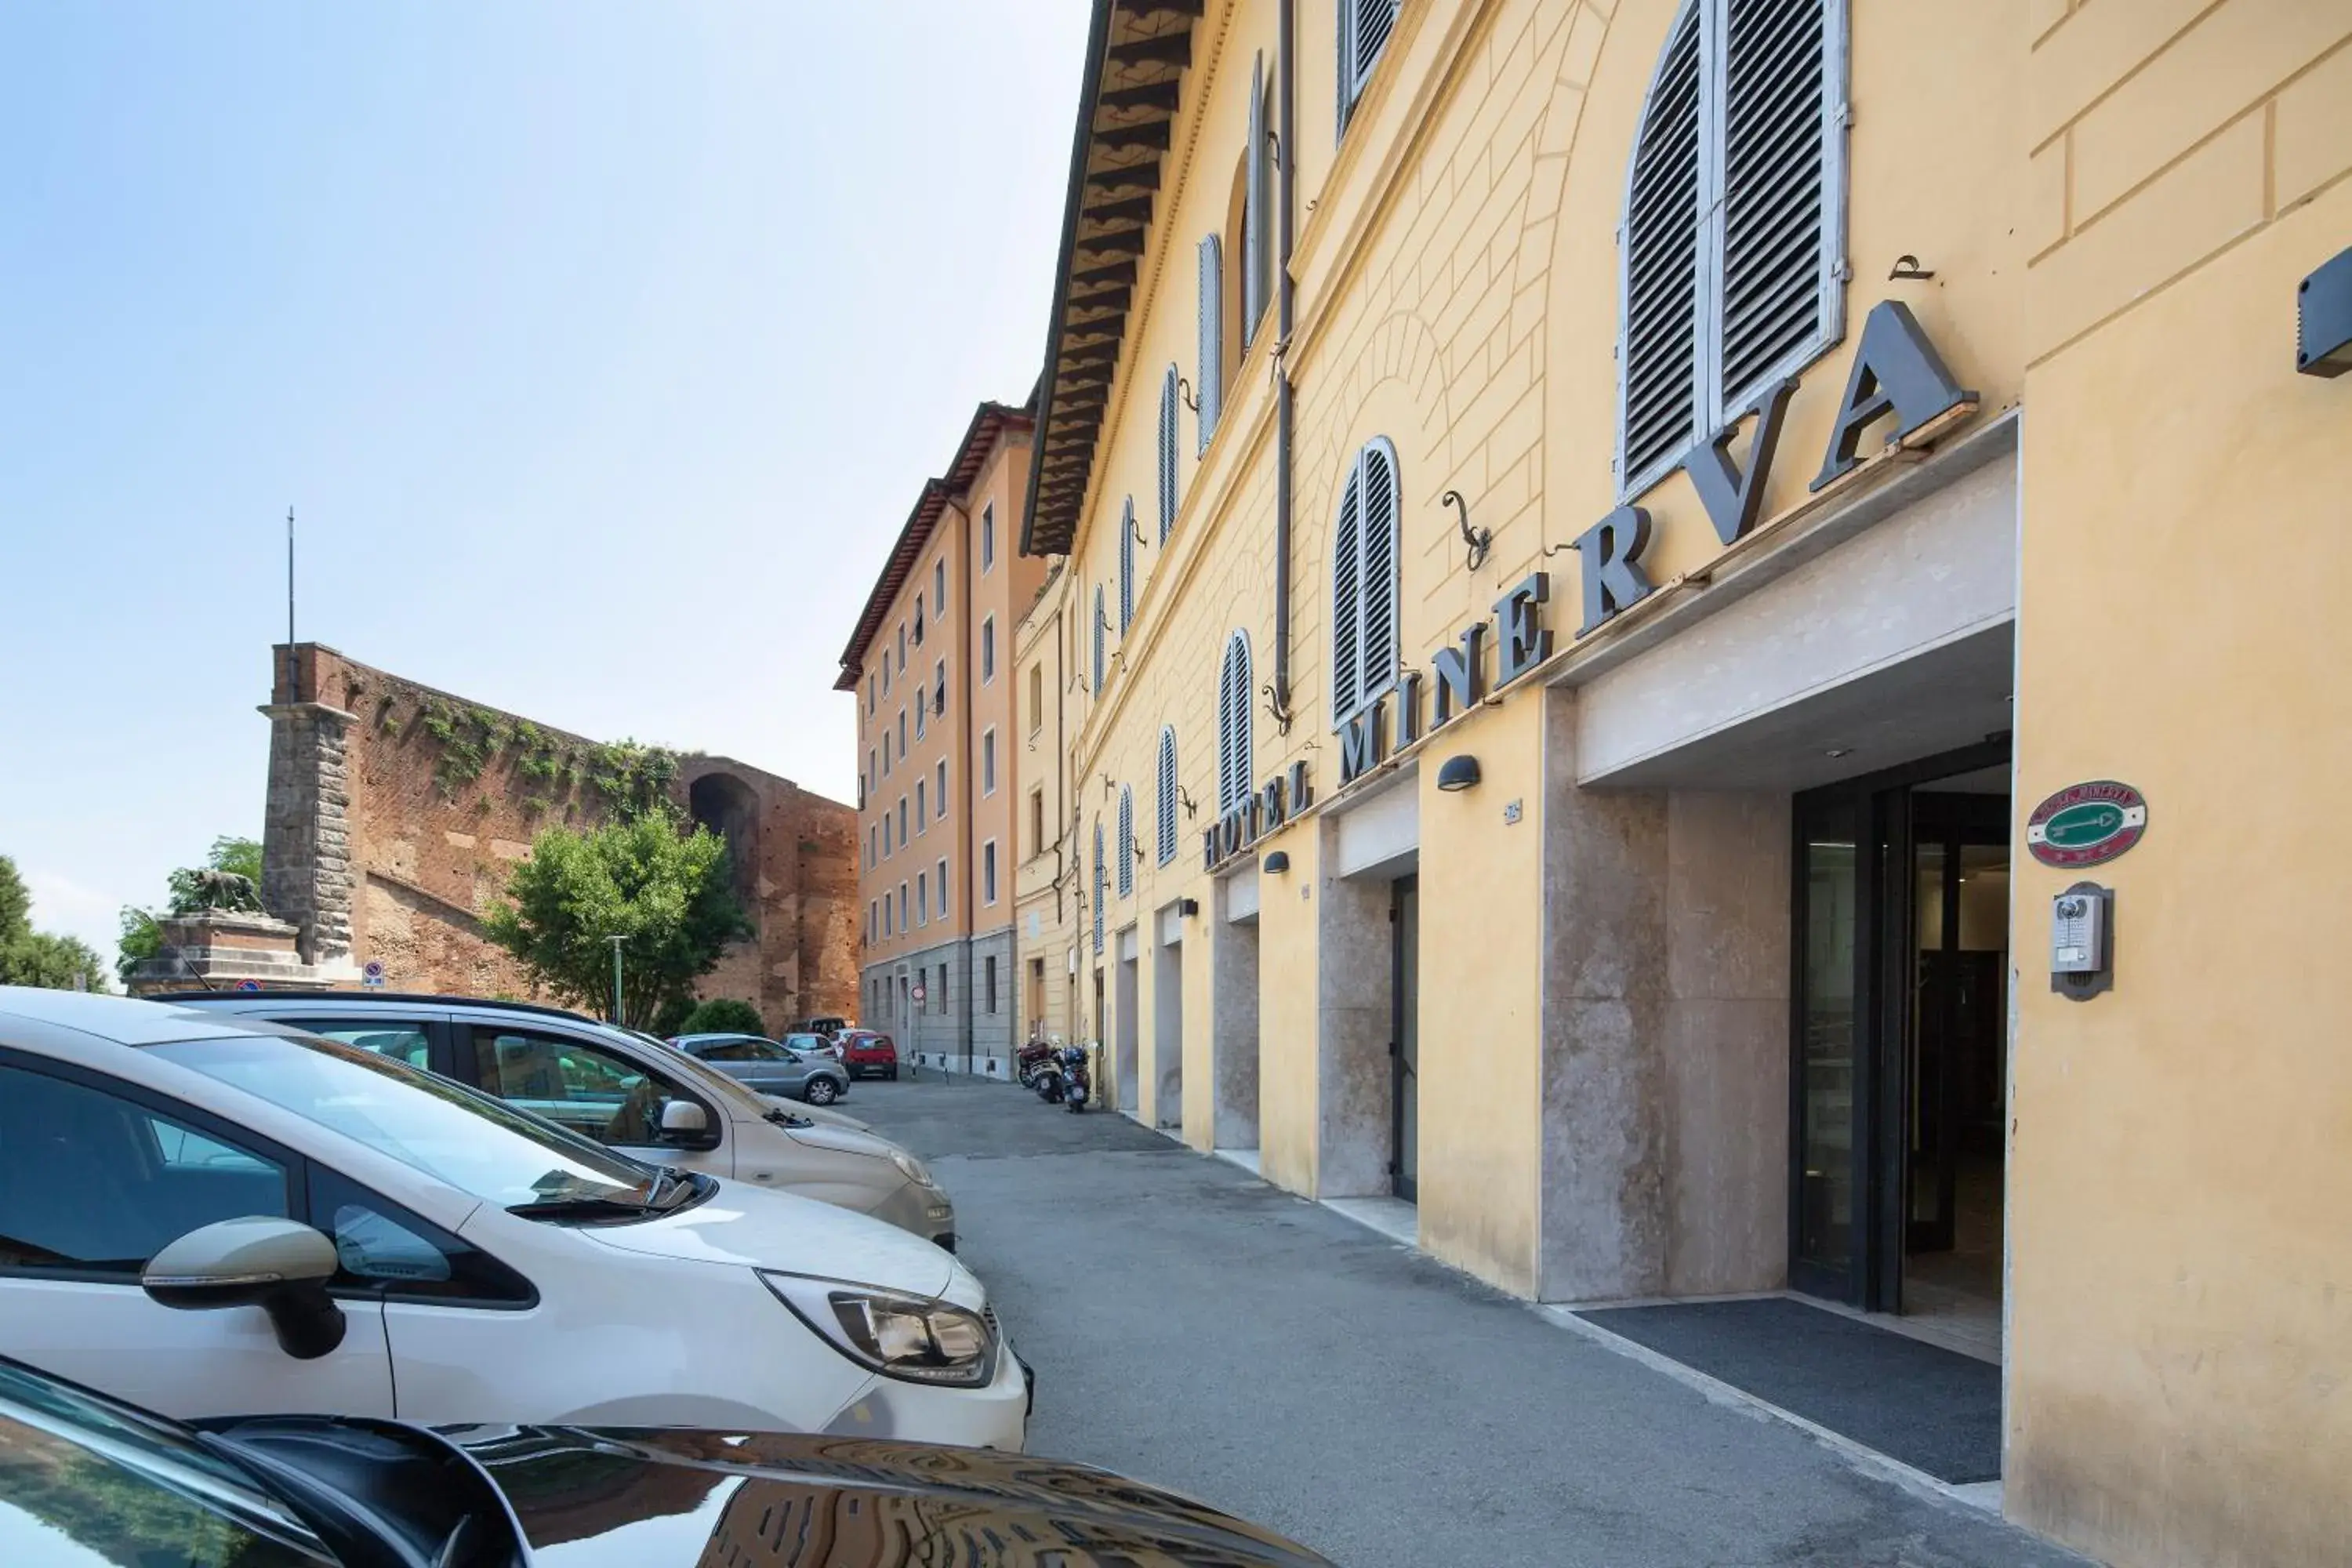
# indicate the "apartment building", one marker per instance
pixel 1637 570
pixel 929 666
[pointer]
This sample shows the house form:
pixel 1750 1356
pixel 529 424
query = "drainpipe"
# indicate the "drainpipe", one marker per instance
pixel 967 682
pixel 1286 313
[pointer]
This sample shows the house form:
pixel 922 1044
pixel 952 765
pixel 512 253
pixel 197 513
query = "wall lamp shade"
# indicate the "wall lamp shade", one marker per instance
pixel 1459 773
pixel 1277 863
pixel 1188 907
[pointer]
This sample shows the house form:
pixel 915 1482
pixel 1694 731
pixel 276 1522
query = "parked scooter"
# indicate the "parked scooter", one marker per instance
pixel 1031 1060
pixel 1076 1089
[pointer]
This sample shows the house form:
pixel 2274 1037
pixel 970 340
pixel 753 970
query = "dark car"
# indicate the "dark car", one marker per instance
pixel 828 1027
pixel 864 1052
pixel 766 1066
pixel 80 1470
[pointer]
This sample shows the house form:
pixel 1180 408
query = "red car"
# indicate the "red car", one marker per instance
pixel 864 1053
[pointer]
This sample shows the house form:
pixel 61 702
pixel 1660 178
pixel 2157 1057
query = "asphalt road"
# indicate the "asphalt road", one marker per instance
pixel 1195 1327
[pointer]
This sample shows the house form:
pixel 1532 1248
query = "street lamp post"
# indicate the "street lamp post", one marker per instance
pixel 618 1017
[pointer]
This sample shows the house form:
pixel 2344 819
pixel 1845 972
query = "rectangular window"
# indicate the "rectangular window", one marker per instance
pixel 921 821
pixel 988 536
pixel 870 842
pixel 902 645
pixel 943 889
pixel 886 672
pixel 988 872
pixel 1036 990
pixel 889 927
pixel 918 620
pixel 939 584
pixel 988 760
pixel 922 715
pixel 871 917
pixel 886 754
pixel 941 993
pixel 989 969
pixel 1036 697
pixel 1036 845
pixel 902 819
pixel 902 732
pixel 939 702
pixel 873 768
pixel 988 651
pixel 870 683
pixel 902 906
pixel 942 790
pixel 922 904
pixel 886 835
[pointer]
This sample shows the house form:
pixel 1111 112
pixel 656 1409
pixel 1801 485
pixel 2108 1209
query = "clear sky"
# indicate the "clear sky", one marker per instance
pixel 600 346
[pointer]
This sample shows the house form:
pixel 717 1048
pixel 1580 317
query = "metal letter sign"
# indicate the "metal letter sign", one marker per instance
pixel 2086 824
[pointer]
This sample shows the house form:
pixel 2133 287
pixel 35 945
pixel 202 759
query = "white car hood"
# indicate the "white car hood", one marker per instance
pixel 823 1115
pixel 847 1140
pixel 744 1226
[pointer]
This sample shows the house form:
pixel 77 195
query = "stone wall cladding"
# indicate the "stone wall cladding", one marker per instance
pixel 378 851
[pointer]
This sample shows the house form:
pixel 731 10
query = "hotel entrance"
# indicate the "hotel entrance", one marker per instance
pixel 1899 1034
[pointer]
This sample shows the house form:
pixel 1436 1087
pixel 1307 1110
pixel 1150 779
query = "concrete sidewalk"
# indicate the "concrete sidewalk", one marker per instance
pixel 1195 1327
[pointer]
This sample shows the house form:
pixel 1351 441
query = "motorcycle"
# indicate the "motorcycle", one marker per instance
pixel 1031 1060
pixel 1075 1088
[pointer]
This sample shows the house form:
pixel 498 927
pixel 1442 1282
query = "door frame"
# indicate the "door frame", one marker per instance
pixel 1884 975
pixel 1402 1182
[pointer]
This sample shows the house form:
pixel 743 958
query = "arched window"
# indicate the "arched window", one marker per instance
pixel 1099 623
pixel 1364 584
pixel 1166 827
pixel 1127 566
pixel 1168 403
pixel 1233 759
pixel 1126 850
pixel 1733 244
pixel 1102 891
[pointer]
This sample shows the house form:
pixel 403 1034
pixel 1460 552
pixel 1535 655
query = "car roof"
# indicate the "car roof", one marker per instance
pixel 721 1035
pixel 371 999
pixel 118 1020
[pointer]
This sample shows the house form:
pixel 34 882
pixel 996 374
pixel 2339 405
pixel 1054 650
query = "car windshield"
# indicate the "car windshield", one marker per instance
pixel 449 1132
pixel 802 1043
pixel 749 1048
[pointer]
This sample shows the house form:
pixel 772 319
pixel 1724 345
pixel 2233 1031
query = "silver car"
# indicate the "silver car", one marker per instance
pixel 765 1067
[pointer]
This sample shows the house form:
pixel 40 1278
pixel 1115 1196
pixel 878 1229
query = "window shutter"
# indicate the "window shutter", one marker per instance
pixel 1209 379
pixel 1127 566
pixel 1254 215
pixel 1778 131
pixel 1168 454
pixel 1364 29
pixel 1378 527
pixel 1347 598
pixel 1102 892
pixel 1658 356
pixel 1234 725
pixel 1167 799
pixel 1126 841
pixel 1099 619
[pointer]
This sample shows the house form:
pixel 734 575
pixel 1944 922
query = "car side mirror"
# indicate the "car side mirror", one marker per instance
pixel 256 1261
pixel 682 1119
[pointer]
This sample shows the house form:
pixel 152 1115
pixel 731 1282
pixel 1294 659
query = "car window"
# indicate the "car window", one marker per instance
pixel 402 1041
pixel 90 1181
pixel 795 1043
pixel 127 1489
pixel 382 1246
pixel 593 1089
pixel 451 1133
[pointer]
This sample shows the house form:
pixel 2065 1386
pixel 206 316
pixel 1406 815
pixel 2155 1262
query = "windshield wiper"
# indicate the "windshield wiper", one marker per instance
pixel 789 1119
pixel 583 1208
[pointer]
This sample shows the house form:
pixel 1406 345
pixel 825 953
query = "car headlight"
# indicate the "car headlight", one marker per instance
pixel 914 1170
pixel 905 1337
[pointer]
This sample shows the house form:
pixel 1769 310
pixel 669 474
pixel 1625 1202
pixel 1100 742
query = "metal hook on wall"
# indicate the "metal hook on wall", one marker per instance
pixel 1136 529
pixel 1184 799
pixel 1276 709
pixel 1478 539
pixel 1184 394
pixel 1906 268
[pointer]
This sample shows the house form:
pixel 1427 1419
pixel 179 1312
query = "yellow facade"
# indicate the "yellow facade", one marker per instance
pixel 2096 215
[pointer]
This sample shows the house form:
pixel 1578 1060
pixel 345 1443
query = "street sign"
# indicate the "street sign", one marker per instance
pixel 249 985
pixel 2086 824
pixel 371 971
pixel 918 992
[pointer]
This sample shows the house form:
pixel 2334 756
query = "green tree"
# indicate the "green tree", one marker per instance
pixel 721 1016
pixel 29 957
pixel 667 895
pixel 140 939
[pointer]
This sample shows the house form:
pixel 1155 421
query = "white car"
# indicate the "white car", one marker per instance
pixel 205 1213
pixel 602 1082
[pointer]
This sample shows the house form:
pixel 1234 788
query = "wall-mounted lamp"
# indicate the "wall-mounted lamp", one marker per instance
pixel 1277 863
pixel 1184 799
pixel 1188 907
pixel 1476 538
pixel 1184 394
pixel 2323 318
pixel 1458 774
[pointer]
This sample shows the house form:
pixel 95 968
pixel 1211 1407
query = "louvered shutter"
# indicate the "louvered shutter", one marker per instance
pixel 1168 454
pixel 1364 28
pixel 1127 566
pixel 1776 259
pixel 1126 841
pixel 1102 889
pixel 1210 377
pixel 1376 526
pixel 1099 619
pixel 1167 797
pixel 1659 355
pixel 1234 726
pixel 1347 599
pixel 1253 214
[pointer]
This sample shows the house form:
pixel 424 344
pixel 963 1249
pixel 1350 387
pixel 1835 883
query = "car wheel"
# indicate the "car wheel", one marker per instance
pixel 821 1091
pixel 891 1073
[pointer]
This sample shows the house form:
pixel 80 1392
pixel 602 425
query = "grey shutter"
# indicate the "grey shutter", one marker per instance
pixel 1254 224
pixel 1777 260
pixel 1102 890
pixel 1098 639
pixel 1126 841
pixel 1127 566
pixel 1364 29
pixel 1234 725
pixel 1168 454
pixel 1658 356
pixel 1167 797
pixel 1378 527
pixel 1347 598
pixel 1211 376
